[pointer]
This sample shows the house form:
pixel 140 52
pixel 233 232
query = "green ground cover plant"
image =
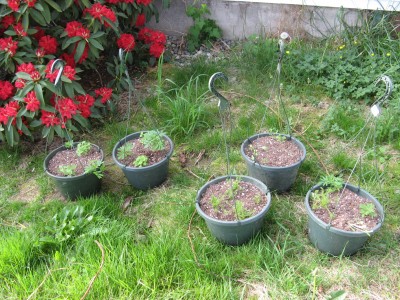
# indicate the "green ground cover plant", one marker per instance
pixel 129 244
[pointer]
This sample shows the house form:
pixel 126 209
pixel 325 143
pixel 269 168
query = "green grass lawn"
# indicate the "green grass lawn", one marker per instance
pixel 157 247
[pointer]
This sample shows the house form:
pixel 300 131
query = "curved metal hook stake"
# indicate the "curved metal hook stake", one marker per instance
pixel 60 69
pixel 223 103
pixel 375 108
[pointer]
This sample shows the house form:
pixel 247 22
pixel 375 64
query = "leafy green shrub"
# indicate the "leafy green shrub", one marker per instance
pixel 203 30
pixel 34 33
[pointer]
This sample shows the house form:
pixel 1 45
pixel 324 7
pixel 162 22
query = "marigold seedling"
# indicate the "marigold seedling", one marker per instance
pixel 367 209
pixel 141 161
pixel 124 151
pixel 67 170
pixel 83 148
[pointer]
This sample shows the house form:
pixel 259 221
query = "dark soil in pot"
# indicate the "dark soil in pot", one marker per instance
pixel 231 200
pixel 344 212
pixel 274 150
pixel 138 149
pixel 69 157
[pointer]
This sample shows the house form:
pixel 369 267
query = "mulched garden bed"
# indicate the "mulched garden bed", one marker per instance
pixel 69 157
pixel 252 198
pixel 346 212
pixel 274 152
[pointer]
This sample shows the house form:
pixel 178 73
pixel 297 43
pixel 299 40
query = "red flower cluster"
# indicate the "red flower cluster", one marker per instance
pixel 49 119
pixel 105 94
pixel 8 45
pixel 69 59
pixel 66 107
pixel 6 90
pixel 13 4
pixel 140 20
pixel 7 21
pixel 98 11
pixel 144 2
pixel 29 68
pixel 155 39
pixel 31 3
pixel 85 102
pixel 33 104
pixel 49 44
pixel 39 34
pixel 19 30
pixel 10 110
pixel 76 28
pixel 126 41
pixel 119 1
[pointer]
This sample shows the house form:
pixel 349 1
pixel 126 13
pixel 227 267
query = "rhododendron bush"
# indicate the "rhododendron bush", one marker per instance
pixel 78 35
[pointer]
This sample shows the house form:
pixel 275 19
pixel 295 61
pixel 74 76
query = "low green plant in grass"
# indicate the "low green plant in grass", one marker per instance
pixel 125 150
pixel 153 140
pixel 141 161
pixel 68 170
pixel 185 108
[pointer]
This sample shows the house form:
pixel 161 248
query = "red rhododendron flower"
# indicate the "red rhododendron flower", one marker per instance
pixel 40 53
pixel 39 34
pixel 31 3
pixel 19 30
pixel 140 20
pixel 99 11
pixel 49 44
pixel 3 116
pixel 13 4
pixel 7 21
pixel 85 102
pixel 72 27
pixel 85 110
pixel 6 90
pixel 144 2
pixel 69 59
pixel 156 49
pixel 49 119
pixel 105 94
pixel 33 104
pixel 26 67
pixel 35 75
pixel 126 41
pixel 145 35
pixel 158 37
pixel 69 72
pixel 8 45
pixel 66 107
pixel 83 32
pixel 50 75
pixel 19 83
pixel 11 109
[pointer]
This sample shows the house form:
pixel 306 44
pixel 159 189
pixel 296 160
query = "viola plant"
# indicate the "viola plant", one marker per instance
pixel 34 33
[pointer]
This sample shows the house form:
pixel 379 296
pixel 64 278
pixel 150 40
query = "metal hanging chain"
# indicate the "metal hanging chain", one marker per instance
pixel 224 113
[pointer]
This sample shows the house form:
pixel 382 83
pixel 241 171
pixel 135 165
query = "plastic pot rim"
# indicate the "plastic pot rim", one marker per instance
pixel 255 136
pixel 61 148
pixel 327 226
pixel 132 136
pixel 233 223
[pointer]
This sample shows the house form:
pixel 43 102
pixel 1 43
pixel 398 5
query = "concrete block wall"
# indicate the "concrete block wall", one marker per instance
pixel 239 20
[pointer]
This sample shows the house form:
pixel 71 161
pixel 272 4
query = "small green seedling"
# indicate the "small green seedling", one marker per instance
pixel 257 199
pixel 367 209
pixel 241 211
pixel 124 151
pixel 141 161
pixel 332 182
pixel 280 138
pixel 67 170
pixel 96 167
pixel 231 192
pixel 215 201
pixel 69 144
pixel 83 148
pixel 153 140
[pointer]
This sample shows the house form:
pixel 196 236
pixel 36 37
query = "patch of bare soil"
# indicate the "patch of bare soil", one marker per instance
pixel 139 149
pixel 274 151
pixel 231 200
pixel 344 212
pixel 69 157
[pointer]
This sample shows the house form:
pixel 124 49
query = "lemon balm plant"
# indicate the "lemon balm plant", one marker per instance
pixel 34 33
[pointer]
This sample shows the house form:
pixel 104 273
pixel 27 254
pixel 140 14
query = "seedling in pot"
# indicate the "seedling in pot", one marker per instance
pixel 280 138
pixel 215 202
pixel 124 151
pixel 152 140
pixel 83 148
pixel 368 210
pixel 69 144
pixel 96 167
pixel 141 161
pixel 67 170
pixel 241 211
